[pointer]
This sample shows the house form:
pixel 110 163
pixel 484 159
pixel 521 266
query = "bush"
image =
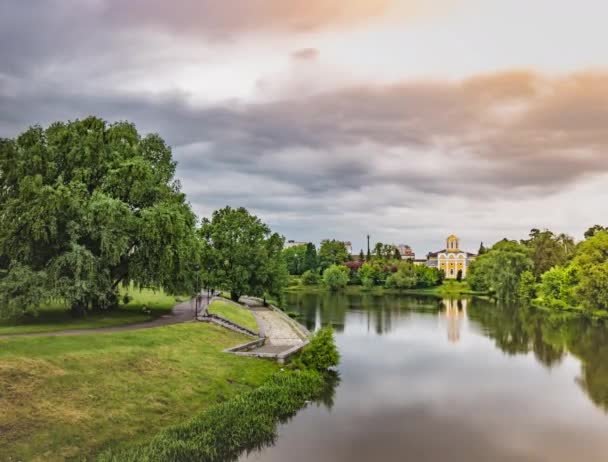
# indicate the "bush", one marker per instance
pixel 321 353
pixel 336 277
pixel 368 283
pixel 401 280
pixel 310 278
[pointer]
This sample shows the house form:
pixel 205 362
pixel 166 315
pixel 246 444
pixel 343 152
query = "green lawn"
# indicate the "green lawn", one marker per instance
pixel 70 397
pixel 57 316
pixel 241 316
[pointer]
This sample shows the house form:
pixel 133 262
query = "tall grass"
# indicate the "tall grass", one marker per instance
pixel 248 421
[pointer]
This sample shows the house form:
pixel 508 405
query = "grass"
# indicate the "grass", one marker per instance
pixel 238 315
pixel 224 431
pixel 72 397
pixel 57 316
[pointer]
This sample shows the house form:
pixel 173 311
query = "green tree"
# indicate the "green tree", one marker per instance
pixel 526 289
pixel 241 254
pixel 397 254
pixel 548 250
pixel 593 230
pixel 310 278
pixel 499 270
pixel 482 249
pixel 336 277
pixel 311 261
pixel 428 277
pixel 404 278
pixel 87 206
pixel 361 256
pixel 459 275
pixel 295 259
pixel 332 252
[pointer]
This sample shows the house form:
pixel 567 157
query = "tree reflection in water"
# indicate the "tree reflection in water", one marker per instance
pixel 515 330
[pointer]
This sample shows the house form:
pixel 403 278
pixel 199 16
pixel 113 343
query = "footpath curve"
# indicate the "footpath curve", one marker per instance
pixel 182 312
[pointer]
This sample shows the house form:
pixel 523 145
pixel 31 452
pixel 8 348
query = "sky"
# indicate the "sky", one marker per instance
pixel 404 119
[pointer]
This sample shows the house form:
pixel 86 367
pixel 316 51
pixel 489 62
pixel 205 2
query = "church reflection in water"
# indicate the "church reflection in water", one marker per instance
pixel 454 315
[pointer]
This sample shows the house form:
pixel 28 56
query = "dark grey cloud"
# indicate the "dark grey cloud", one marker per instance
pixel 410 155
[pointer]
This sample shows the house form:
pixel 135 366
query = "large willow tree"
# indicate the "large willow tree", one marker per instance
pixel 86 206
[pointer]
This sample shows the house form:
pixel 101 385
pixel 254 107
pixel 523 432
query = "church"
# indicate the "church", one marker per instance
pixel 451 260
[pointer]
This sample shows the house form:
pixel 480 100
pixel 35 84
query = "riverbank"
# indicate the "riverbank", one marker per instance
pixel 73 397
pixel 448 288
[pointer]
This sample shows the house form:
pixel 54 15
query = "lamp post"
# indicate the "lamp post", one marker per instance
pixel 198 291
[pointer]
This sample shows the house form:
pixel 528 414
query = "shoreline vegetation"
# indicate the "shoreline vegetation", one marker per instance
pixel 448 288
pixel 249 420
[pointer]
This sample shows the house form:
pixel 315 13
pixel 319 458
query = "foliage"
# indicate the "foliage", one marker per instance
pixel 367 283
pixel 332 252
pixel 321 353
pixel 404 278
pixel 311 260
pixel 593 230
pixel 386 252
pixel 526 289
pixel 86 206
pixel 240 255
pixel 459 275
pixel 295 259
pixel 336 277
pixel 499 270
pixel 482 249
pixel 548 250
pixel 310 278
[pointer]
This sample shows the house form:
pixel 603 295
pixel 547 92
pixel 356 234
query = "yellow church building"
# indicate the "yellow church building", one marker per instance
pixel 451 260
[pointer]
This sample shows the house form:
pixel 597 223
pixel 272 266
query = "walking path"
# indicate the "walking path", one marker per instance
pixel 183 312
pixel 282 333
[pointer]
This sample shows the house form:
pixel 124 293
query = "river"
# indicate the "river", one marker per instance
pixel 430 379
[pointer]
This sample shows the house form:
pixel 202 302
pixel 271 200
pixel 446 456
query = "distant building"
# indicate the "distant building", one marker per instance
pixel 419 261
pixel 451 260
pixel 406 252
pixel 349 247
pixel 292 243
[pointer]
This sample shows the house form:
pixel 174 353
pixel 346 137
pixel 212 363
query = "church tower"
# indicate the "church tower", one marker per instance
pixel 452 244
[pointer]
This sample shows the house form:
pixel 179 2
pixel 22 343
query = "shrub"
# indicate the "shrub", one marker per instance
pixel 336 277
pixel 321 353
pixel 401 280
pixel 310 278
pixel 368 283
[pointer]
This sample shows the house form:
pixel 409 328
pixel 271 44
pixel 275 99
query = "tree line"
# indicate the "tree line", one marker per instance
pixel 548 270
pixel 335 268
pixel 87 207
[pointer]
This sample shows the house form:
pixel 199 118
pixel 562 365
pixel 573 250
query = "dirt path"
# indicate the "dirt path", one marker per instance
pixel 183 312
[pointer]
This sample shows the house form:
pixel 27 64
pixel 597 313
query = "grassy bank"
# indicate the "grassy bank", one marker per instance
pixel 220 434
pixel 234 313
pixel 448 288
pixel 145 305
pixel 72 397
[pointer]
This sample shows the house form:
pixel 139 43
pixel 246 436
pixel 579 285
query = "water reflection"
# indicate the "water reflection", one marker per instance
pixel 455 313
pixel 498 383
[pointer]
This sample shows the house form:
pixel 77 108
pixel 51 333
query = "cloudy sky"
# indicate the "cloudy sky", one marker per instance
pixel 405 119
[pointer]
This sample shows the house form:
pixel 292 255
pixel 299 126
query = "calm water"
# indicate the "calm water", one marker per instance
pixel 426 379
